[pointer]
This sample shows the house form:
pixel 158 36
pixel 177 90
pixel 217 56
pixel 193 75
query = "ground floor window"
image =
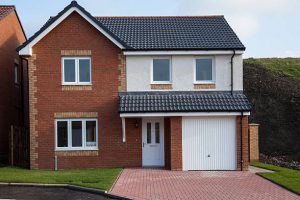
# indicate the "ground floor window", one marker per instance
pixel 76 134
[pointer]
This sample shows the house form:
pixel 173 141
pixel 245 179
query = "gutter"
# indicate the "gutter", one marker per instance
pixel 232 71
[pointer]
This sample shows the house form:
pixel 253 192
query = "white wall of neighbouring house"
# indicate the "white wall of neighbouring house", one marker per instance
pixel 138 72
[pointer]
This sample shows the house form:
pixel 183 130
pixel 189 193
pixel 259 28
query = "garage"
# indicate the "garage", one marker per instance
pixel 209 143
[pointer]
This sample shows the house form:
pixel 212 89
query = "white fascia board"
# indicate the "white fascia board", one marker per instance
pixel 185 114
pixel 187 52
pixel 27 50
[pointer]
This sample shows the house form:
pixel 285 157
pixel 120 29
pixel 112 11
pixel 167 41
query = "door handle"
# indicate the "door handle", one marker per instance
pixel 208 155
pixel 143 144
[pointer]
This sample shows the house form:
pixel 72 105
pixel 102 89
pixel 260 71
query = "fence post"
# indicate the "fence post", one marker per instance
pixel 11 145
pixel 254 142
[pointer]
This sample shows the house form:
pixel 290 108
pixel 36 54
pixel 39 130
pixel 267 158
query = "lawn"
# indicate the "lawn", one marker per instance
pixel 92 178
pixel 288 66
pixel 288 178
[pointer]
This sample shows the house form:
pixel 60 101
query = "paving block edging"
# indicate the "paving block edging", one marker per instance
pixel 67 186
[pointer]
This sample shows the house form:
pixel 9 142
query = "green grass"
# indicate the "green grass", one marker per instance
pixel 288 66
pixel 288 178
pixel 92 178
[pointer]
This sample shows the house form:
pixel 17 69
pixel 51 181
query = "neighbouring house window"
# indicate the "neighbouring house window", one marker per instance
pixel 76 70
pixel 161 71
pixel 16 77
pixel 76 134
pixel 204 70
pixel 157 133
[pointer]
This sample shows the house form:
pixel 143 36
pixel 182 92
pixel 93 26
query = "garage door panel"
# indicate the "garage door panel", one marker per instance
pixel 209 143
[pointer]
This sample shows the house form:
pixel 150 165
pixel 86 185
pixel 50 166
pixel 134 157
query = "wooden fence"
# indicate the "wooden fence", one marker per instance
pixel 19 147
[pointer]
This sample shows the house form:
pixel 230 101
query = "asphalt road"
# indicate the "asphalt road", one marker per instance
pixel 45 193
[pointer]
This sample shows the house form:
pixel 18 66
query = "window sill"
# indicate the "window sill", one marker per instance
pixel 161 83
pixel 76 87
pixel 204 86
pixel 70 152
pixel 161 86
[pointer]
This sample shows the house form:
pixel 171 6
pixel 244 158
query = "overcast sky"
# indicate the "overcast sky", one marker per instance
pixel 268 28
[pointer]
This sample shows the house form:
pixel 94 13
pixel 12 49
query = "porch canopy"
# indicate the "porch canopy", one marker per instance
pixel 177 102
pixel 181 103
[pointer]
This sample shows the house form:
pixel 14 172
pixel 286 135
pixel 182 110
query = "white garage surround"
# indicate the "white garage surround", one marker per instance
pixel 209 143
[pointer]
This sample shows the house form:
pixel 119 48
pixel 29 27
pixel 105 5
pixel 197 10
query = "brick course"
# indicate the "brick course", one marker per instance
pixel 245 141
pixel 205 86
pixel 161 86
pixel 253 142
pixel 173 143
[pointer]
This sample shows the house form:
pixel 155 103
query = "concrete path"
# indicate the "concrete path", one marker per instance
pixel 163 184
pixel 258 169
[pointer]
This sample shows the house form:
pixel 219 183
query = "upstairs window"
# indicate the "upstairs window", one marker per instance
pixel 16 74
pixel 204 70
pixel 76 134
pixel 77 71
pixel 161 71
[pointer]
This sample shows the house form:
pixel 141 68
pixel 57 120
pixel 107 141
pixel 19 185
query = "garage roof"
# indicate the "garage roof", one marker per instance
pixel 177 101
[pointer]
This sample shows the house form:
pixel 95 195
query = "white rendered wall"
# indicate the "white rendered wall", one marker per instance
pixel 138 70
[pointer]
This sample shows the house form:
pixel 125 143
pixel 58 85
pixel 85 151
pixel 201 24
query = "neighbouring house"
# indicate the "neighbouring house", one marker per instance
pixel 136 92
pixel 12 103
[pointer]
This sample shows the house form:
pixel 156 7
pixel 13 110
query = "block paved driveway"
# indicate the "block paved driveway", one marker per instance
pixel 164 184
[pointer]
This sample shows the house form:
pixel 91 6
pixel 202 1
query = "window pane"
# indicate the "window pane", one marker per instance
pixel 148 133
pixel 76 133
pixel 62 134
pixel 161 70
pixel 91 133
pixel 84 70
pixel 69 70
pixel 157 133
pixel 16 74
pixel 204 69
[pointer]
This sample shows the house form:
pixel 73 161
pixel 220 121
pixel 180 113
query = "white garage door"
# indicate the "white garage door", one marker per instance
pixel 209 143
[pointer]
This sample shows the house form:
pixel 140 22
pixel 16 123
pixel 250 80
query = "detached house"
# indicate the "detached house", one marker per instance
pixel 12 104
pixel 136 92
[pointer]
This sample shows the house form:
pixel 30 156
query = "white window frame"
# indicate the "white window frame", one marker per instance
pixel 70 148
pixel 170 71
pixel 77 82
pixel 213 70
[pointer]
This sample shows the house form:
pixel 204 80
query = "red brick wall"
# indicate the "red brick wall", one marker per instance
pixel 245 142
pixel 175 143
pixel 11 36
pixel 74 33
pixel 167 143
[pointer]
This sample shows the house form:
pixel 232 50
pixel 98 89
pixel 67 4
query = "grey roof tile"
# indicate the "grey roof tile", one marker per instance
pixel 190 101
pixel 161 33
pixel 181 32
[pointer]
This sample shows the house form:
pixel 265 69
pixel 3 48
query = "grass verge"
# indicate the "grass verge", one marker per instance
pixel 288 66
pixel 92 178
pixel 287 178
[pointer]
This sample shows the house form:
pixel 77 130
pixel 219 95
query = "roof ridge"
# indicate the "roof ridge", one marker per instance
pixel 167 16
pixel 7 6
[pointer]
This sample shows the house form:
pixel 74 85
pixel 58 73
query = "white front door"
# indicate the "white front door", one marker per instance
pixel 153 142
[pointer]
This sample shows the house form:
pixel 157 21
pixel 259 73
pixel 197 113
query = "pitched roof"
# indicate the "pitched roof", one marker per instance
pixel 173 33
pixel 5 10
pixel 176 101
pixel 161 33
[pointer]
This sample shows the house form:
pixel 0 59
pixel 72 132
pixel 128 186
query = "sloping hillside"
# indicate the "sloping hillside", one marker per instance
pixel 273 87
